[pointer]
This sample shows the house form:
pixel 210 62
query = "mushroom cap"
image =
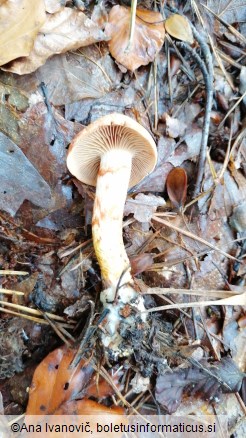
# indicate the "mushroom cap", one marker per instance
pixel 114 131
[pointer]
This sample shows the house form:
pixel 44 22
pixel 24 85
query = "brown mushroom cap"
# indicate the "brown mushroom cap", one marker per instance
pixel 114 131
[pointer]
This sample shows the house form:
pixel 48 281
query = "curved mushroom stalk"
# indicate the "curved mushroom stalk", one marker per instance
pixel 113 153
pixel 111 192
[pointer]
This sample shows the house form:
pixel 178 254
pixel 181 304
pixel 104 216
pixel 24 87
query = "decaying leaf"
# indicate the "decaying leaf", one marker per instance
pixel 68 388
pixel 65 30
pixel 210 380
pixel 19 179
pixel 148 36
pixel 143 206
pixel 63 382
pixel 178 27
pixel 19 24
pixel 82 75
pixel 140 263
pixel 177 186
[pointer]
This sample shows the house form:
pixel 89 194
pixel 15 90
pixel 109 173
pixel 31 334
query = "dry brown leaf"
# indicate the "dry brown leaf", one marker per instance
pixel 19 24
pixel 178 27
pixel 171 384
pixel 66 30
pixel 140 263
pixel 177 186
pixel 82 75
pixel 148 36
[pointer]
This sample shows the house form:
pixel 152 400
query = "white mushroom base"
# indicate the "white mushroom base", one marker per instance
pixel 124 310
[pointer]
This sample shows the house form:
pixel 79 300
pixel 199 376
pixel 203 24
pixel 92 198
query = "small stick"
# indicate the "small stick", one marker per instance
pixel 33 311
pixel 10 292
pixel 169 72
pixel 197 292
pixel 208 78
pixel 132 25
pixel 236 300
pixel 22 315
pixel 10 272
pixel 156 95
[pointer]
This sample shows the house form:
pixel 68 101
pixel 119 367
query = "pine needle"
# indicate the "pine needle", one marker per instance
pixel 10 272
pixel 237 300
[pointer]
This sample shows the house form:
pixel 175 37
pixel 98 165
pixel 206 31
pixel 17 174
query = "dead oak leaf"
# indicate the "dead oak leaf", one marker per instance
pixel 19 23
pixel 148 36
pixel 65 30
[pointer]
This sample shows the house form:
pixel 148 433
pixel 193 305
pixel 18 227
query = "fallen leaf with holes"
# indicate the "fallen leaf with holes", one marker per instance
pixel 65 30
pixel 224 377
pixel 19 23
pixel 67 384
pixel 177 186
pixel 148 36
pixel 143 206
pixel 178 27
pixel 19 179
pixel 63 383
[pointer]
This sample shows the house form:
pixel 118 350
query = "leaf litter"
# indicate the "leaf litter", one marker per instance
pixel 66 75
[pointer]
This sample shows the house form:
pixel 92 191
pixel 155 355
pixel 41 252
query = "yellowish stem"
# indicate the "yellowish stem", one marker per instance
pixel 111 191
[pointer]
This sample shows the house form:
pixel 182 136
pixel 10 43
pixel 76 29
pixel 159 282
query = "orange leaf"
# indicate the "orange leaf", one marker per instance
pixel 179 27
pixel 148 36
pixel 87 407
pixel 177 186
pixel 54 383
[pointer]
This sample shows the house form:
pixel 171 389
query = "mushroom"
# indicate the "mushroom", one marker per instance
pixel 113 154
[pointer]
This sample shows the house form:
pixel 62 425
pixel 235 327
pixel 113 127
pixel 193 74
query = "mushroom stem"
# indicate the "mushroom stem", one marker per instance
pixel 111 191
